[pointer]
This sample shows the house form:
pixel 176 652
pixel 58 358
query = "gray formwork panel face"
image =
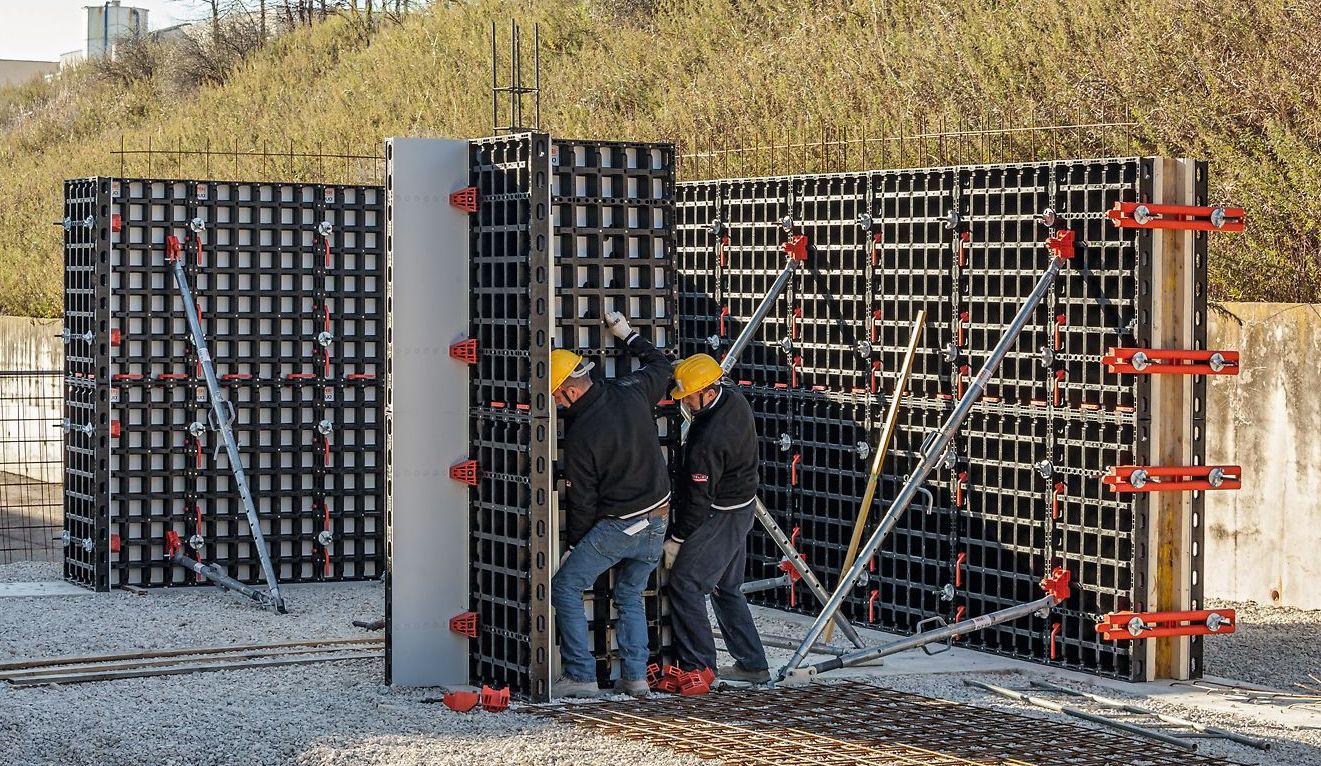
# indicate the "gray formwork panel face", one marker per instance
pixel 613 250
pixel 997 523
pixel 266 283
pixel 511 427
pixel 427 405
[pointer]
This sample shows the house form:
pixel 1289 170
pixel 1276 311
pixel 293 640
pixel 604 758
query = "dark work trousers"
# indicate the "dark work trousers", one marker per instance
pixel 711 563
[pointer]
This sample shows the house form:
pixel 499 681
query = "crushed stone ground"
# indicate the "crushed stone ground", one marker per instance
pixel 341 714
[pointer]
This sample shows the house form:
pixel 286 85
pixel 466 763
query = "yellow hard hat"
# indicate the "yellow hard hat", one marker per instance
pixel 564 365
pixel 694 374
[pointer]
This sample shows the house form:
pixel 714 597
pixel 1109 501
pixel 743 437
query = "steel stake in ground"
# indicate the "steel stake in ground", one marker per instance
pixel 221 417
pixel 932 455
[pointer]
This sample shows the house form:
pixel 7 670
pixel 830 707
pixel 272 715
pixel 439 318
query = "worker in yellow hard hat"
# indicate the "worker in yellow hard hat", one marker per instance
pixel 715 501
pixel 617 504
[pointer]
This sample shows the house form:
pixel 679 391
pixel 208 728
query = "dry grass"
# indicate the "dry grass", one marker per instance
pixel 1237 85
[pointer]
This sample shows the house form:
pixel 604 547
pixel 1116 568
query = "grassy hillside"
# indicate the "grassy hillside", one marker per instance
pixel 1237 85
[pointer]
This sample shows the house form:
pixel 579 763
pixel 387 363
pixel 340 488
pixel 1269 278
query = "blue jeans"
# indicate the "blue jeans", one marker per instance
pixel 604 546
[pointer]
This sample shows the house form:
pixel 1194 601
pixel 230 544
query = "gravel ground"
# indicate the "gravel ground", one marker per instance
pixel 341 714
pixel 1274 646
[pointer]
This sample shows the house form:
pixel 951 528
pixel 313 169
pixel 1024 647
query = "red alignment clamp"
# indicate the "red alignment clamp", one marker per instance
pixel 1054 633
pixel 958 569
pixel 172 543
pixel 461 702
pixel 724 312
pixel 1056 584
pixel 115 336
pixel 115 429
pixel 465 351
pixel 1172 478
pixel 793 469
pixel 1060 244
pixel 1060 321
pixel 173 248
pixel 871 605
pixel 1153 361
pixel 116 222
pixel 1127 626
pixel 1060 488
pixel 494 700
pixel 115 543
pixel 465 472
pixel 962 247
pixel 1143 215
pixel 465 624
pixel 796 247
pixel 466 199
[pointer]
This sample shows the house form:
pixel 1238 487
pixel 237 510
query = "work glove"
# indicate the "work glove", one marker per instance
pixel 618 325
pixel 669 552
pixel 565 555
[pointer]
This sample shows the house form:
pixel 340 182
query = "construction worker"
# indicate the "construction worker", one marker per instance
pixel 716 491
pixel 618 503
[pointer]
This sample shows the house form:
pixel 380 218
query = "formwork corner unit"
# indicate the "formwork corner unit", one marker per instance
pixel 1020 489
pixel 498 256
pixel 289 285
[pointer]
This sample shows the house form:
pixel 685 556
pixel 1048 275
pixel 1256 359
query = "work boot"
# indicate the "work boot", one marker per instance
pixel 569 687
pixel 633 687
pixel 736 672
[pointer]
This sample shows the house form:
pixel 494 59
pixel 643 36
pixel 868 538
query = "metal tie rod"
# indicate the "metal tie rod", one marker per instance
pixel 930 459
pixel 222 414
pixel 921 639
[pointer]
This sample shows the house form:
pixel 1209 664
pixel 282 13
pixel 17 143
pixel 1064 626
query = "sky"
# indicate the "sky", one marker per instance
pixel 40 30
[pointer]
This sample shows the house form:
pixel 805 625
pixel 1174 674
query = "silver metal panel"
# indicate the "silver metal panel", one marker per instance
pixel 427 412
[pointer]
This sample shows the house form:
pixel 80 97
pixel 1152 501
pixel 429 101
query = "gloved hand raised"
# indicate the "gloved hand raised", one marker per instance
pixel 618 325
pixel 669 552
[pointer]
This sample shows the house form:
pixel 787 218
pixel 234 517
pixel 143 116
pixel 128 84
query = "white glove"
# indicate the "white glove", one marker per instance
pixel 669 552
pixel 565 556
pixel 618 325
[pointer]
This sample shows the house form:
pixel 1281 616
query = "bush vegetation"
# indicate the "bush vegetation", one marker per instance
pixel 1237 85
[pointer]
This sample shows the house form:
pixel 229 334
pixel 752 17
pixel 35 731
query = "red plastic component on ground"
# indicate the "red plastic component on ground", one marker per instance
pixel 465 472
pixel 1176 478
pixel 465 624
pixel 461 702
pixel 667 679
pixel 696 682
pixel 1129 626
pixel 466 200
pixel 495 700
pixel 796 247
pixel 465 351
pixel 1154 361
pixel 1056 584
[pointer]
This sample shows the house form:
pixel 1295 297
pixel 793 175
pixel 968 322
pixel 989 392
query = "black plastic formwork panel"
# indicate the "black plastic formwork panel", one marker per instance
pixel 699 226
pixel 1019 490
pixel 289 287
pixel 614 249
pixel 509 511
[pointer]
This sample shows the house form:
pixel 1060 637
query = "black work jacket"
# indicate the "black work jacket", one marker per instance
pixel 719 468
pixel 613 463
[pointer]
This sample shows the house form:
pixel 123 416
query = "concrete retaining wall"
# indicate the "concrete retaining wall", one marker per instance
pixel 1262 541
pixel 30 405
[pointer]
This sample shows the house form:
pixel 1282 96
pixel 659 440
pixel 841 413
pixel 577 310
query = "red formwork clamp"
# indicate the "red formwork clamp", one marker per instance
pixel 1060 321
pixel 796 247
pixel 871 605
pixel 173 248
pixel 1145 215
pixel 787 566
pixel 465 624
pixel 793 469
pixel 1061 244
pixel 116 222
pixel 466 199
pixel 963 328
pixel 1054 635
pixel 959 561
pixel 172 543
pixel 696 682
pixel 1130 626
pixel 875 375
pixel 115 429
pixel 724 313
pixel 959 487
pixel 116 337
pixel 495 700
pixel 1155 361
pixel 1056 584
pixel 461 702
pixel 465 351
pixel 115 543
pixel 1172 478
pixel 1060 489
pixel 465 472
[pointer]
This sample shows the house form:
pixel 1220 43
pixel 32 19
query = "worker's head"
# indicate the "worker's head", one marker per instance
pixel 695 380
pixel 569 378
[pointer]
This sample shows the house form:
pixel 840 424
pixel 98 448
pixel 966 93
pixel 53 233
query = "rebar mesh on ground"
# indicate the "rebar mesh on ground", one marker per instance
pixel 31 466
pixel 854 723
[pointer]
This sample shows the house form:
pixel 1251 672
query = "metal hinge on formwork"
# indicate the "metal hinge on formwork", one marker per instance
pixel 466 200
pixel 1154 361
pixel 1175 478
pixel 1129 626
pixel 1143 215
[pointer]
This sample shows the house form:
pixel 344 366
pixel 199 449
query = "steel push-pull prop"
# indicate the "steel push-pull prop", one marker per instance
pixel 220 419
pixel 1060 244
